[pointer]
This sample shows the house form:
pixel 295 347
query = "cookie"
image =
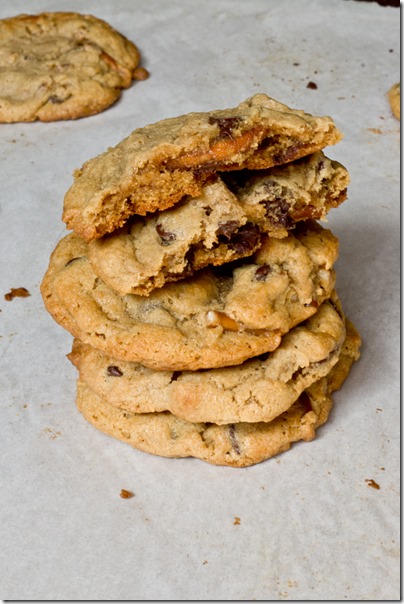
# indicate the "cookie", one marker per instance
pixel 394 96
pixel 238 444
pixel 258 390
pixel 218 226
pixel 220 316
pixel 277 198
pixel 60 66
pixel 156 166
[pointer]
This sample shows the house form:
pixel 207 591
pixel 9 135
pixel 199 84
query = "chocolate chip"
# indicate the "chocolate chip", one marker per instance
pixel 312 86
pixel 55 100
pixel 305 401
pixel 226 229
pixel 114 371
pixel 289 154
pixel 268 142
pixel 262 272
pixel 312 303
pixel 225 125
pixel 233 439
pixel 245 240
pixel 167 238
pixel 73 260
pixel 277 212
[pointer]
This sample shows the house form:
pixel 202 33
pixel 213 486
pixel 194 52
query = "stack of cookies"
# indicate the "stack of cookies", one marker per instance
pixel 200 288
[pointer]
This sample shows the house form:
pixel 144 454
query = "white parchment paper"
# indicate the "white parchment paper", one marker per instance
pixel 305 525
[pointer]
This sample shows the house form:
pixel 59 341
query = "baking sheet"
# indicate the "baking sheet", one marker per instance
pixel 308 524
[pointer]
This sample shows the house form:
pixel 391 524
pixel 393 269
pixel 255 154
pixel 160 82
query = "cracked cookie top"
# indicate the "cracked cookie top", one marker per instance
pixel 222 224
pixel 221 316
pixel 61 65
pixel 156 166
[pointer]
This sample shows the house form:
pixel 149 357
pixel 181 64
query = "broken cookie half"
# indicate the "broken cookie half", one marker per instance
pixel 225 223
pixel 158 165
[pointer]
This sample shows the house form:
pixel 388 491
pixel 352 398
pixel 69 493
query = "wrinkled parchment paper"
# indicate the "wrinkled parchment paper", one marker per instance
pixel 319 522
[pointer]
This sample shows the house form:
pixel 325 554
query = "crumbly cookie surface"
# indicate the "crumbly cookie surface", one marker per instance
pixel 394 96
pixel 218 226
pixel 237 444
pixel 61 65
pixel 156 166
pixel 218 317
pixel 258 390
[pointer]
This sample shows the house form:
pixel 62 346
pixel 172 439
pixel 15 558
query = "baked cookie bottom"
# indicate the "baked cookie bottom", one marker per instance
pixel 237 444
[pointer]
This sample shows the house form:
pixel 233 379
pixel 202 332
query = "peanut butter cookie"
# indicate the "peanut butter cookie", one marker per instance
pixel 60 66
pixel 258 390
pixel 218 226
pixel 220 316
pixel 237 444
pixel 156 166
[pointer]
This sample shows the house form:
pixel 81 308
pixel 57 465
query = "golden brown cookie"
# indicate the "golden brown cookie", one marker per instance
pixel 61 65
pixel 156 166
pixel 395 100
pixel 218 226
pixel 218 317
pixel 237 444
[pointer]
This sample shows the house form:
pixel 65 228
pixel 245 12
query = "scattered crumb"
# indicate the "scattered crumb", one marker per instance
pixel 17 292
pixel 375 130
pixel 126 494
pixel 53 434
pixel 236 520
pixel 372 483
pixel 204 562
pixel 312 85
pixel 140 74
pixel 378 409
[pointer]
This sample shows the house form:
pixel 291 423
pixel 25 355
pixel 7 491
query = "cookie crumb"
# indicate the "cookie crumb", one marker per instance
pixel 236 520
pixel 312 85
pixel 124 494
pixel 17 292
pixel 372 483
